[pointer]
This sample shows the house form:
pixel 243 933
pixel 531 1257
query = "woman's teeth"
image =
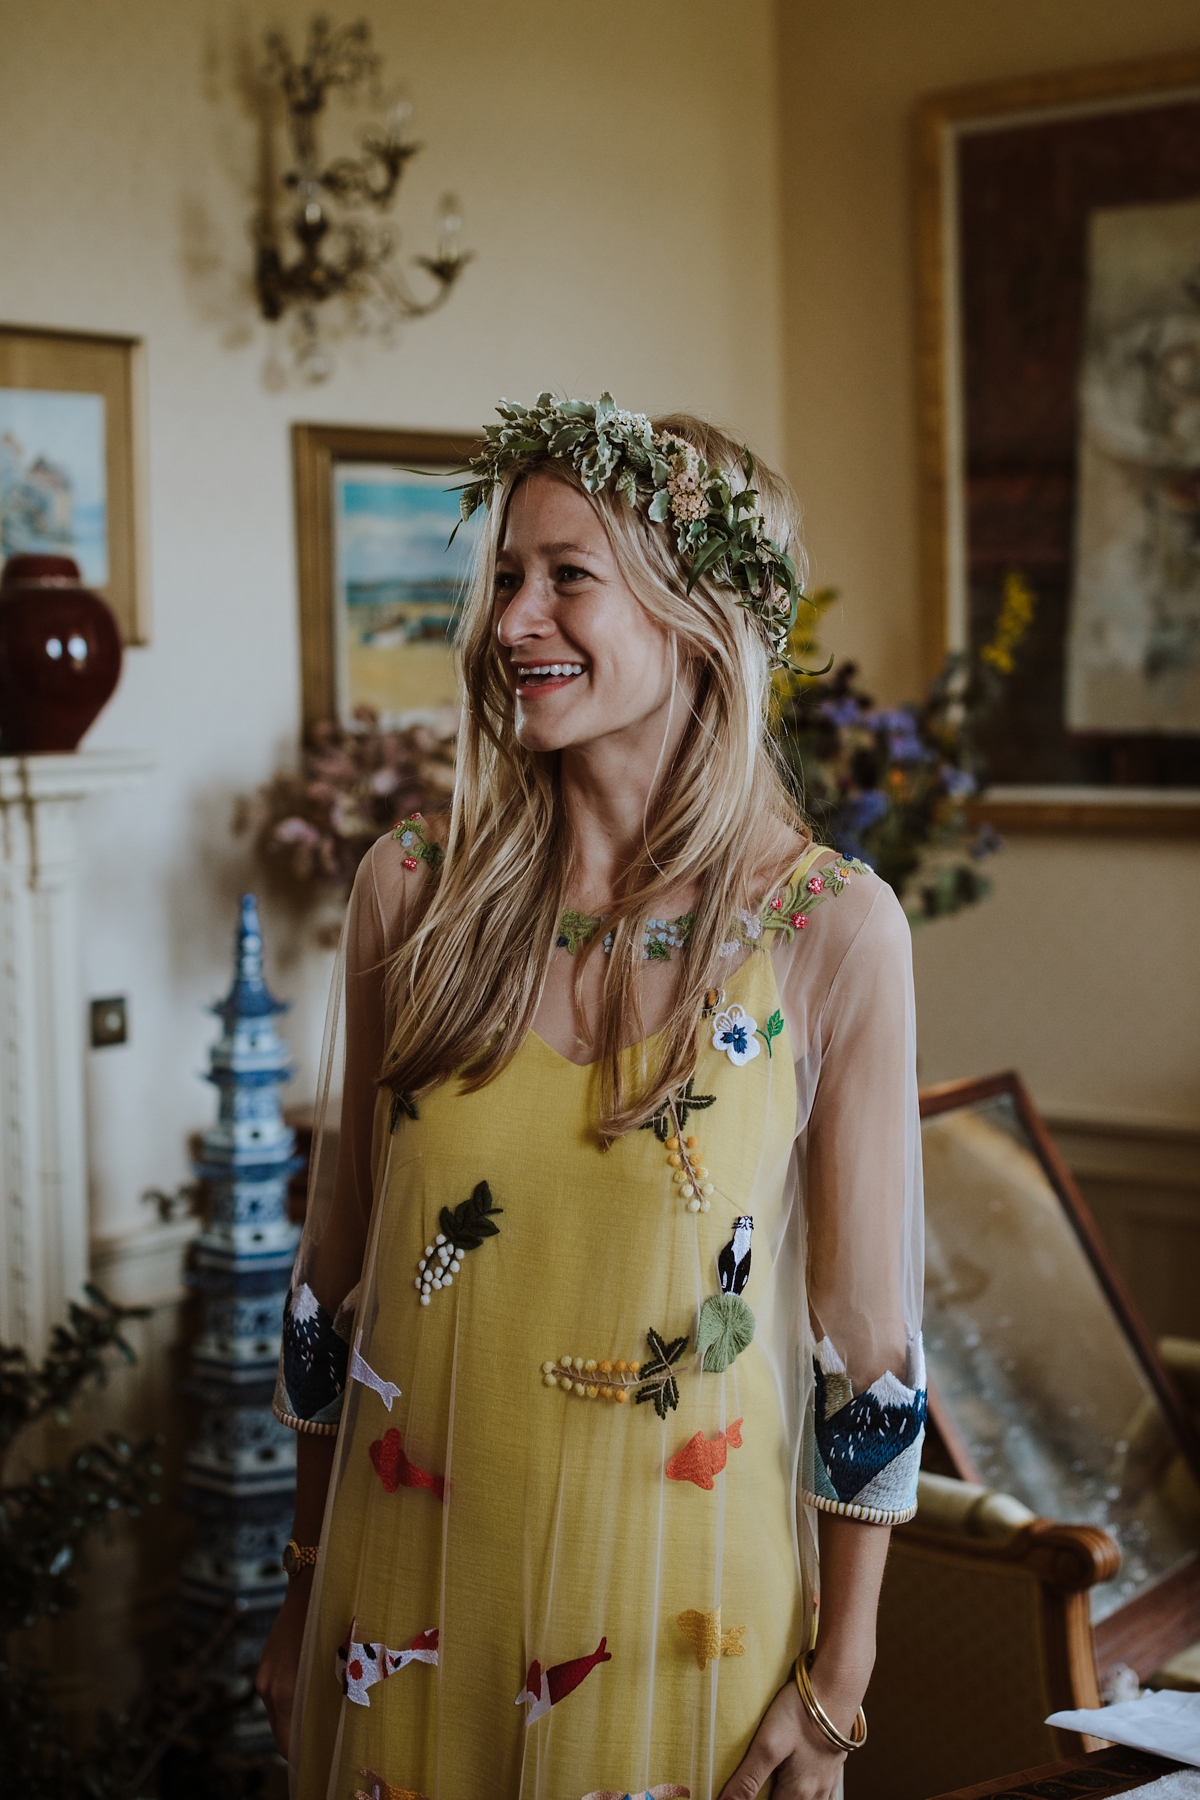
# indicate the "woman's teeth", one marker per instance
pixel 530 672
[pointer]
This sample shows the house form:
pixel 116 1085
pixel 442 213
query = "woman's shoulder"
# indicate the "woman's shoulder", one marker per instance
pixel 396 877
pixel 829 906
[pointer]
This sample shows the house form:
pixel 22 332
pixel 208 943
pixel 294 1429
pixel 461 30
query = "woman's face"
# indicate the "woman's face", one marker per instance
pixel 584 659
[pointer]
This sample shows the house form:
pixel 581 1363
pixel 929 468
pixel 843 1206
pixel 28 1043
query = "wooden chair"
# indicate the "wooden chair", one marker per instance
pixel 984 1629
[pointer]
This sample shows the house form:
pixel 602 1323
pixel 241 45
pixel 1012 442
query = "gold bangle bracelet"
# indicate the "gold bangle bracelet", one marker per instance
pixel 820 1717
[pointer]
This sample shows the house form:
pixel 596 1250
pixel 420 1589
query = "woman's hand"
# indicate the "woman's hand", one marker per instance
pixel 275 1682
pixel 791 1747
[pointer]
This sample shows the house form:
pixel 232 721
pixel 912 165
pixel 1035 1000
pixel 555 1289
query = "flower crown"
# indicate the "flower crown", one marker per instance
pixel 720 533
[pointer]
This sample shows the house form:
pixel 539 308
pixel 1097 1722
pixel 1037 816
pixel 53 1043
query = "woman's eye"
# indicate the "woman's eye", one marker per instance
pixel 568 572
pixel 505 583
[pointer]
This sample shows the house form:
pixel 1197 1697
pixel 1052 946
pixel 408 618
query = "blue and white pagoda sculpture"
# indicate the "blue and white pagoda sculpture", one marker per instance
pixel 240 1472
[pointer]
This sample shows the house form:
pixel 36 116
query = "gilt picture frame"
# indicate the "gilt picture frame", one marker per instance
pixel 72 460
pixel 379 589
pixel 1049 215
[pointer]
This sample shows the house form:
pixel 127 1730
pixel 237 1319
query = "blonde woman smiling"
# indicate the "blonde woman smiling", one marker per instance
pixel 604 1351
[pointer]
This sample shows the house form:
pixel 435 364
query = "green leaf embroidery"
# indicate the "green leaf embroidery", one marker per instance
pixel 685 1102
pixel 420 847
pixel 471 1221
pixel 577 928
pixel 774 1027
pixel 658 1384
pixel 403 1106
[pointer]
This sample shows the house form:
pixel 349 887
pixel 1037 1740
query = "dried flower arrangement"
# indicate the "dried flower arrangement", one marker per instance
pixel 314 825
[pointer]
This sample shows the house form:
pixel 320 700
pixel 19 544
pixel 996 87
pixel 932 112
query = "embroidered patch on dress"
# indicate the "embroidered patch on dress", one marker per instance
pixel 379 1789
pixel 404 1106
pixel 771 1030
pixel 726 1328
pixel 314 1356
pixel 733 1263
pixel 735 1033
pixel 394 1469
pixel 675 1111
pixel 361 1370
pixel 592 1380
pixel 360 1665
pixel 703 1458
pixel 664 1790
pixel 463 1229
pixel 707 1641
pixel 544 1688
pixel 418 846
pixel 658 1380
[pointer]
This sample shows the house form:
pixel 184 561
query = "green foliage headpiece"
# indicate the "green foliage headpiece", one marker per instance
pixel 720 533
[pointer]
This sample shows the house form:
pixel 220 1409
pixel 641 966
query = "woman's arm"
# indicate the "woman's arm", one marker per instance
pixel 787 1744
pixel 847 993
pixel 275 1681
pixel 332 1255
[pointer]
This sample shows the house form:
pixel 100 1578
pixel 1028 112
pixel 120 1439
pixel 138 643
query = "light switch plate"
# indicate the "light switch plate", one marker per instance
pixel 110 1022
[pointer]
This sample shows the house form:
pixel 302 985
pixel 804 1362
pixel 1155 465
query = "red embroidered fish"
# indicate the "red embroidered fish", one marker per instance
pixel 360 1666
pixel 701 1458
pixel 394 1469
pixel 544 1688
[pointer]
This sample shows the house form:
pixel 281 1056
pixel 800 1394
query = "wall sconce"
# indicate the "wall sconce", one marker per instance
pixel 314 245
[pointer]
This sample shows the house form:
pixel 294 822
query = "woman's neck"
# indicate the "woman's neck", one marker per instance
pixel 607 788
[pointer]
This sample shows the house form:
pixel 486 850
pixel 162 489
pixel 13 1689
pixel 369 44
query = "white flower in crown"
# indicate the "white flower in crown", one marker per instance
pixel 734 1033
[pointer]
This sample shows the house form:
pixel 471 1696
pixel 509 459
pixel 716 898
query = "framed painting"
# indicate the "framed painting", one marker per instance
pixel 1044 1381
pixel 1058 223
pixel 72 480
pixel 380 584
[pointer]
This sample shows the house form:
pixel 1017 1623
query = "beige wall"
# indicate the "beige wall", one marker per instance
pixel 1084 969
pixel 617 169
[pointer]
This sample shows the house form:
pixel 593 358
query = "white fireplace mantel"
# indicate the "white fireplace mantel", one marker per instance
pixel 43 1156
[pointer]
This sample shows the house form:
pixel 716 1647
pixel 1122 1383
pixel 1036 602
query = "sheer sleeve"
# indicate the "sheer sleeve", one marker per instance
pixel 319 1314
pixel 848 1002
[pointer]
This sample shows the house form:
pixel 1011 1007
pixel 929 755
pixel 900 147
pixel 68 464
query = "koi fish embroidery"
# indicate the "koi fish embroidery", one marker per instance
pixel 361 1370
pixel 394 1469
pixel 702 1458
pixel 361 1665
pixel 544 1688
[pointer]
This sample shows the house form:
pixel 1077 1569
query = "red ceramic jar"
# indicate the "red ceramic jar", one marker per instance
pixel 60 654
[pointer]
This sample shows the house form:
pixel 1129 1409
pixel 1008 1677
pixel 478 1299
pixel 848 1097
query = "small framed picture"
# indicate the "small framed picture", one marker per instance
pixel 381 585
pixel 1059 371
pixel 72 479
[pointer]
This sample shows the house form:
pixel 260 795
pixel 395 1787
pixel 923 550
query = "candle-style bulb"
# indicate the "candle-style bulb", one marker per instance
pixel 449 229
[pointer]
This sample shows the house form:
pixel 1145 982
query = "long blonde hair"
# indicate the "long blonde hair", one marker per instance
pixel 465 985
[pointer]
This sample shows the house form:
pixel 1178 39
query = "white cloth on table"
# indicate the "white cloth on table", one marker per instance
pixel 1180 1784
pixel 1166 1723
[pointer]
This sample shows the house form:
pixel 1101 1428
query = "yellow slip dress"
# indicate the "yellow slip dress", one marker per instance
pixel 560 1555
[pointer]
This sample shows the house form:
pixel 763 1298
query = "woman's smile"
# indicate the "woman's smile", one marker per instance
pixel 530 680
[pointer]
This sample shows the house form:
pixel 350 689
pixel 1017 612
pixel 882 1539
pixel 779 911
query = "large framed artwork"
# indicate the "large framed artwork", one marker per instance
pixel 72 479
pixel 1058 227
pixel 380 583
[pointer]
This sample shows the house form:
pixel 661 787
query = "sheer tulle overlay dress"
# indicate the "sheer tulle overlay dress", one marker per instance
pixel 587 1403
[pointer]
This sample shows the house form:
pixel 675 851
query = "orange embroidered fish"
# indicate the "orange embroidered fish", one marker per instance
pixel 701 1458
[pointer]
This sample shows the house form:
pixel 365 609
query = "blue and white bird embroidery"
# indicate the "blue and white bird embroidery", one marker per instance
pixel 733 1263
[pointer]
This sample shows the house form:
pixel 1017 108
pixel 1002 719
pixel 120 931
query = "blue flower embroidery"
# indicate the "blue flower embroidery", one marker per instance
pixel 734 1033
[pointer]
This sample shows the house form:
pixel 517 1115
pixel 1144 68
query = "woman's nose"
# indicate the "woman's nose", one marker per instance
pixel 525 613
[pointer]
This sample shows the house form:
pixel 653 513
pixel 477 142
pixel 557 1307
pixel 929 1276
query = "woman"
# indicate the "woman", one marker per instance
pixel 620 1274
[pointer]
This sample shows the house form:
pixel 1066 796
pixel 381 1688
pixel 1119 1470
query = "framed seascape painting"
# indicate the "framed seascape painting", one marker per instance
pixel 380 584
pixel 71 474
pixel 1059 368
